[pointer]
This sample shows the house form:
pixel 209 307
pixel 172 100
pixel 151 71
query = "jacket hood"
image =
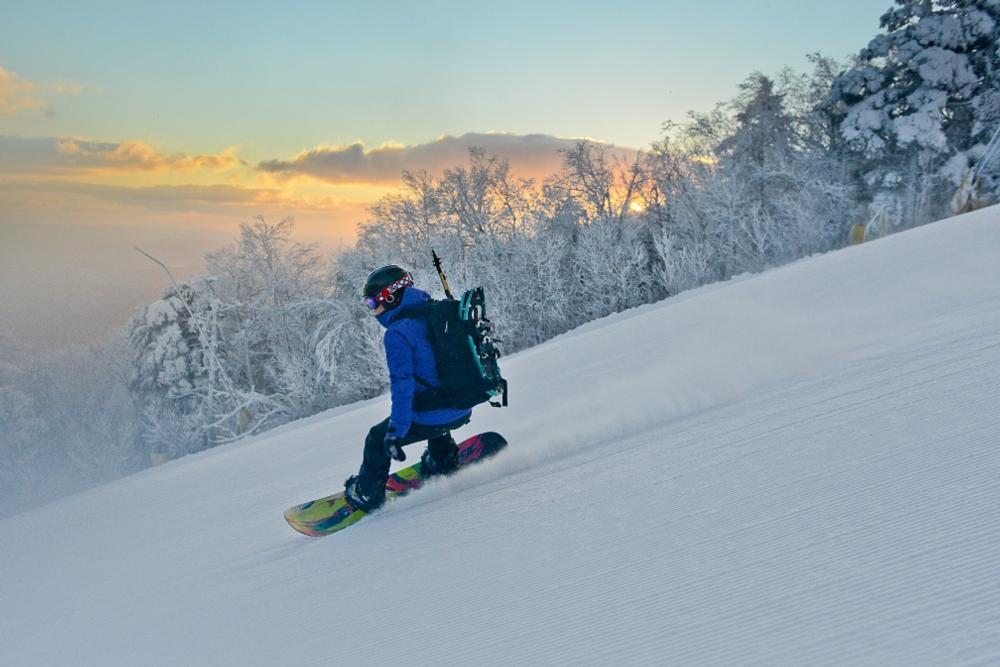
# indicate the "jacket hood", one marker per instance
pixel 411 297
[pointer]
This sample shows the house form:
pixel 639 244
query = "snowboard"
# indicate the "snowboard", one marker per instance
pixel 332 513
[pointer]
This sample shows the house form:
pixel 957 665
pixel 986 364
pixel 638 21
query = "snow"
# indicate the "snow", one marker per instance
pixel 161 311
pixel 955 169
pixel 943 30
pixel 864 120
pixel 924 124
pixel 799 467
pixel 946 69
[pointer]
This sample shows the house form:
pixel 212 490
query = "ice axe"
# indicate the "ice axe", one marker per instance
pixel 444 280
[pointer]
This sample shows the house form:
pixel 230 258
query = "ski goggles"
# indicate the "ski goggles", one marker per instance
pixel 387 295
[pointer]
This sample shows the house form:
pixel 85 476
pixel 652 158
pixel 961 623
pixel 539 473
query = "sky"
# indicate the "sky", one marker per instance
pixel 171 123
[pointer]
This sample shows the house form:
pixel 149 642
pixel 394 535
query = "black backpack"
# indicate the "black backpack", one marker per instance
pixel 465 353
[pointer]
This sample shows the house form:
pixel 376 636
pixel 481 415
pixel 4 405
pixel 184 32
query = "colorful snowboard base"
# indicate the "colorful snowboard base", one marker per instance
pixel 332 513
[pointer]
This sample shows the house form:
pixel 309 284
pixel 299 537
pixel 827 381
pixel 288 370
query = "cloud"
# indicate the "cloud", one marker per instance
pixel 152 195
pixel 69 178
pixel 530 155
pixel 172 197
pixel 135 155
pixel 62 154
pixel 17 94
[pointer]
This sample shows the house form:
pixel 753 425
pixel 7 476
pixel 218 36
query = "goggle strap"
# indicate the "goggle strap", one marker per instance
pixel 388 293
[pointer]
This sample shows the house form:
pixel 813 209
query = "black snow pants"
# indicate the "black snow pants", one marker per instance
pixel 375 468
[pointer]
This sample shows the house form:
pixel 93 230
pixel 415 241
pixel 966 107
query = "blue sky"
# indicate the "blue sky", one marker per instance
pixel 278 78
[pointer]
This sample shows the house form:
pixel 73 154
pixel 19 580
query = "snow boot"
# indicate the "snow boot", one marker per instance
pixel 357 498
pixel 443 461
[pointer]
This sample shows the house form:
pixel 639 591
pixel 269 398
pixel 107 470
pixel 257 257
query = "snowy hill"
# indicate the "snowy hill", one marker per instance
pixel 801 467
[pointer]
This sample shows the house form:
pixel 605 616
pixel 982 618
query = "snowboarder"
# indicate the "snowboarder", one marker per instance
pixel 389 291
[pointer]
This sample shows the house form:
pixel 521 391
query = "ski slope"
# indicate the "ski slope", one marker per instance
pixel 800 467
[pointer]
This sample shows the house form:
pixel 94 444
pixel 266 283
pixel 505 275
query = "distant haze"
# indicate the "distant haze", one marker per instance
pixel 66 284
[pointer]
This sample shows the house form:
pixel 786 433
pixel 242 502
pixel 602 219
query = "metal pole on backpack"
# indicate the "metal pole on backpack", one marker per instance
pixel 444 280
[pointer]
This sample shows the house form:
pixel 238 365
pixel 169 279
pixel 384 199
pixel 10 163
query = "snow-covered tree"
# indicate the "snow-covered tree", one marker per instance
pixel 599 198
pixel 603 187
pixel 171 372
pixel 169 356
pixel 22 429
pixel 921 102
pixel 272 292
pixel 749 185
pixel 238 351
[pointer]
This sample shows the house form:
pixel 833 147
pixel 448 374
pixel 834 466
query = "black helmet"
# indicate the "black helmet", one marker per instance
pixel 385 286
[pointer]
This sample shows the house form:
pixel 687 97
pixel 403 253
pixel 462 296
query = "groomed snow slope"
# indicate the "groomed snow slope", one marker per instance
pixel 801 467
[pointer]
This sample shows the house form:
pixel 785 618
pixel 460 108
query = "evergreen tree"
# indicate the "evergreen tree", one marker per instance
pixel 169 371
pixel 921 102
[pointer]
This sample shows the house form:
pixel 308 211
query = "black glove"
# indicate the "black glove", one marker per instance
pixel 393 447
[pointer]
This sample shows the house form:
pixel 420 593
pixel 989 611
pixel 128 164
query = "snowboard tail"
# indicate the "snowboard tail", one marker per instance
pixel 332 513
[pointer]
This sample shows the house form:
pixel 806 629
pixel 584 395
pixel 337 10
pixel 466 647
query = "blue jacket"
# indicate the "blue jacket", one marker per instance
pixel 410 357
